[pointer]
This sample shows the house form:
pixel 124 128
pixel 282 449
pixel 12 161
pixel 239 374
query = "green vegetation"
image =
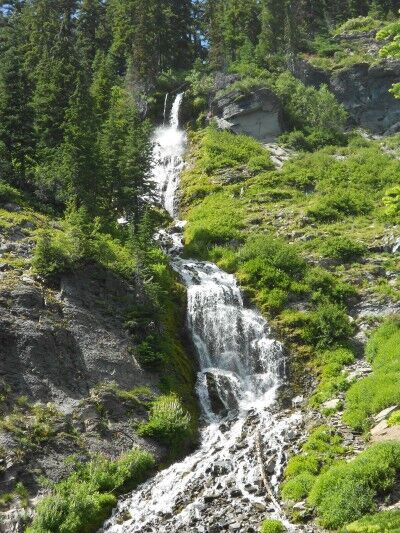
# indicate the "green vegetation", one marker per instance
pixel 383 522
pixel 347 491
pixel 319 452
pixel 394 419
pixel 380 389
pixel 359 24
pixel 82 502
pixel 79 241
pixel 332 379
pixel 169 423
pixel 272 526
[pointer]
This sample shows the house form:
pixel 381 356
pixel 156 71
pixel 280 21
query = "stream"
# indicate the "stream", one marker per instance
pixel 221 486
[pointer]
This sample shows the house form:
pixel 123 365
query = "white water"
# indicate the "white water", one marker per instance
pixel 169 147
pixel 241 368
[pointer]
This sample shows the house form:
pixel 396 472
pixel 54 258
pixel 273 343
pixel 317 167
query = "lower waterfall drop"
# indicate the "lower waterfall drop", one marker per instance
pixel 221 486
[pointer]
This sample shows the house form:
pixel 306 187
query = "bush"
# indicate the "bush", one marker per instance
pixel 9 194
pixel 359 24
pixel 323 285
pixel 308 107
pixel 80 241
pixel 318 452
pixel 383 522
pixel 348 490
pixel 332 379
pixel 82 502
pixel 270 267
pixel 298 488
pixel 221 149
pixel 391 201
pixel 342 248
pixel 339 204
pixel 394 419
pixel 327 325
pixel 149 353
pixel 381 388
pixel 311 139
pixel 272 526
pixel 169 423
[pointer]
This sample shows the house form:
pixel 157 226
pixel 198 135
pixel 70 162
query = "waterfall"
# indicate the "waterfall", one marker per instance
pixel 241 367
pixel 169 147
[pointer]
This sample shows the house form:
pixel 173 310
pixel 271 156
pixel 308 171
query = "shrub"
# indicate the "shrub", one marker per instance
pixel 272 526
pixel 359 24
pixel 82 502
pixel 221 149
pixel 9 194
pixel 275 253
pixel 383 522
pixel 80 241
pixel 381 388
pixel 311 139
pixel 169 422
pixel 342 248
pixel 318 452
pixel 332 379
pixel 391 201
pixel 149 354
pixel 347 490
pixel 298 488
pixel 327 325
pixel 339 204
pixel 394 419
pixel 310 107
pixel 323 285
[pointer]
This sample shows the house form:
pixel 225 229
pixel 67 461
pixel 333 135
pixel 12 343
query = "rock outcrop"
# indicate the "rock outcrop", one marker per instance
pixel 257 113
pixel 363 89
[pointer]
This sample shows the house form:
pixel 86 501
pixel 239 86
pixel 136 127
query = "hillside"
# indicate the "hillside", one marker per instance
pixel 199 266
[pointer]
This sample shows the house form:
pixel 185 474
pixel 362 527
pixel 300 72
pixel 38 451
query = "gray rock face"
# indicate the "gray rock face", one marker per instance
pixel 363 89
pixel 57 348
pixel 257 113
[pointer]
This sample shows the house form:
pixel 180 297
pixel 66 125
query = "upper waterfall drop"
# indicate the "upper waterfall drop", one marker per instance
pixel 169 148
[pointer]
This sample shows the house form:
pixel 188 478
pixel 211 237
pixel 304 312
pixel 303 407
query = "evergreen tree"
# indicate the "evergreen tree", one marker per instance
pixel 125 151
pixel 79 156
pixel 16 121
pixel 92 32
pixel 53 64
pixel 272 23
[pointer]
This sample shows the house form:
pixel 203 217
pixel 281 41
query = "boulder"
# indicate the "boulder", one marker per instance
pixel 385 413
pixel 257 113
pixel 382 432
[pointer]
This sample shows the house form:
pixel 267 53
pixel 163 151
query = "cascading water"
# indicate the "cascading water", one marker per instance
pixel 221 486
pixel 169 147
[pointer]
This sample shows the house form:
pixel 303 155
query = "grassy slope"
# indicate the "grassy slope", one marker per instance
pixel 306 244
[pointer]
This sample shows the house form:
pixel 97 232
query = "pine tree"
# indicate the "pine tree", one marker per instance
pixel 79 155
pixel 16 120
pixel 125 151
pixel 272 24
pixel 92 32
pixel 53 64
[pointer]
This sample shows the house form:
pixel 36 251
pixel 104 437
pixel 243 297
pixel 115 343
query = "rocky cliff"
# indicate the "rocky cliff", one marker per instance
pixel 363 86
